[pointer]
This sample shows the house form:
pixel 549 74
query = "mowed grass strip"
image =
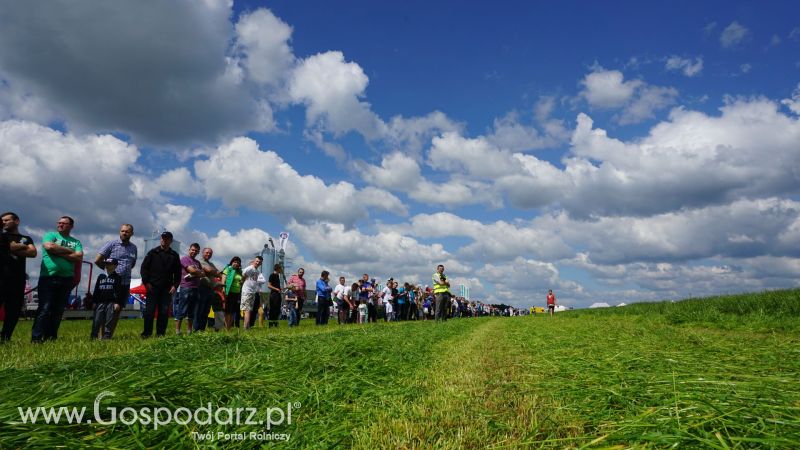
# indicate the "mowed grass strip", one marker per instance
pixel 475 394
pixel 336 374
pixel 646 383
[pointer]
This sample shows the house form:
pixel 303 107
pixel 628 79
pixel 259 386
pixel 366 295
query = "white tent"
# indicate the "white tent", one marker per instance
pixel 622 304
pixel 600 305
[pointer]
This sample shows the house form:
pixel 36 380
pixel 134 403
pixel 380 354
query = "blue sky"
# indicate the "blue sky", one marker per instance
pixel 610 152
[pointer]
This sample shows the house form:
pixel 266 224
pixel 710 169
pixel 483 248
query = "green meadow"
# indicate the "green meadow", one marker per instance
pixel 704 373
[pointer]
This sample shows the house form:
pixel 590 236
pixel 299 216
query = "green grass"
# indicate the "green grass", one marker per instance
pixel 622 377
pixel 764 311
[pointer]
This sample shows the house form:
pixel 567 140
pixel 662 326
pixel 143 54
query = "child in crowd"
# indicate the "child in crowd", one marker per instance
pixel 389 311
pixel 107 299
pixel 362 312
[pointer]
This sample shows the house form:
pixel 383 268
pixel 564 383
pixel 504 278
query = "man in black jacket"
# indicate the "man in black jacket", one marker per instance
pixel 161 275
pixel 15 249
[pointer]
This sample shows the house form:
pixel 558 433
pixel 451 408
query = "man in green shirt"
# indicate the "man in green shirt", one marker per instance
pixel 61 252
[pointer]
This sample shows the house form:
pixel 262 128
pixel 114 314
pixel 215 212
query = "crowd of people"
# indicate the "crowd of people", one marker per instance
pixel 198 293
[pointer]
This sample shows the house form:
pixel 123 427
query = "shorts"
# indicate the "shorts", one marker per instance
pixel 185 305
pixel 551 307
pixel 248 300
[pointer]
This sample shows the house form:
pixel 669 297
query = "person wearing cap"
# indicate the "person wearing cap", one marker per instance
pixel 125 253
pixel 107 298
pixel 161 275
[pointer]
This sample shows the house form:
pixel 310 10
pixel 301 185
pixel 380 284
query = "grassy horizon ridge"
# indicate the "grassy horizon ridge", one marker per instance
pixel 777 310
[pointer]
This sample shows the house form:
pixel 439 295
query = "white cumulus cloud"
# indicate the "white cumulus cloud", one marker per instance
pixel 733 35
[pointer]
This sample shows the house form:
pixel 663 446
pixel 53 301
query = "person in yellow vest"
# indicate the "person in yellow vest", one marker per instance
pixel 441 293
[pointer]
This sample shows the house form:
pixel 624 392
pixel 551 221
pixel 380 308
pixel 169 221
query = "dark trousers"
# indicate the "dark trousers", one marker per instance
pixel 323 311
pixel 404 311
pixel 344 311
pixel 103 319
pixel 202 308
pixel 442 305
pixel 126 293
pixel 254 315
pixel 372 313
pixel 159 298
pixel 300 302
pixel 53 295
pixel 354 312
pixel 12 295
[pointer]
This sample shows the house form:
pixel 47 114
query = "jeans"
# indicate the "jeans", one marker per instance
pixel 159 298
pixel 293 322
pixel 53 295
pixel 202 307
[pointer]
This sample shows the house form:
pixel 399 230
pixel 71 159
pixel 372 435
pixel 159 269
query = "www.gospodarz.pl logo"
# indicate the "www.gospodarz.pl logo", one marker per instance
pixel 158 416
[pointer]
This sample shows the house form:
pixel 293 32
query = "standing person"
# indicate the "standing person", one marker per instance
pixel 232 280
pixel 250 289
pixel 342 294
pixel 125 253
pixel 189 292
pixel 362 312
pixel 297 284
pixel 387 298
pixel 388 303
pixel 402 302
pixel 161 276
pixel 372 302
pixel 551 302
pixel 441 293
pixel 323 293
pixel 207 292
pixel 367 288
pixel 274 286
pixel 107 298
pixel 61 252
pixel 15 249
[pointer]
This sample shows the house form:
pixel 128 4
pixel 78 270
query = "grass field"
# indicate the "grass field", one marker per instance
pixel 713 373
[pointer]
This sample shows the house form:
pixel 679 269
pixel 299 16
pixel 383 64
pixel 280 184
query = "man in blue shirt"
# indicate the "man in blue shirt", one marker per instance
pixel 125 253
pixel 323 294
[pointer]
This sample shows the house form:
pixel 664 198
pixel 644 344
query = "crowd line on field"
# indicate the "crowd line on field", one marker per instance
pixel 199 294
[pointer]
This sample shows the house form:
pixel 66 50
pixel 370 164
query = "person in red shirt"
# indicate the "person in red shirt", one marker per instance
pixel 551 302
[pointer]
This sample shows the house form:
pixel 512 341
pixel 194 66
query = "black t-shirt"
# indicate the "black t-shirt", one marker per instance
pixel 275 281
pixel 12 267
